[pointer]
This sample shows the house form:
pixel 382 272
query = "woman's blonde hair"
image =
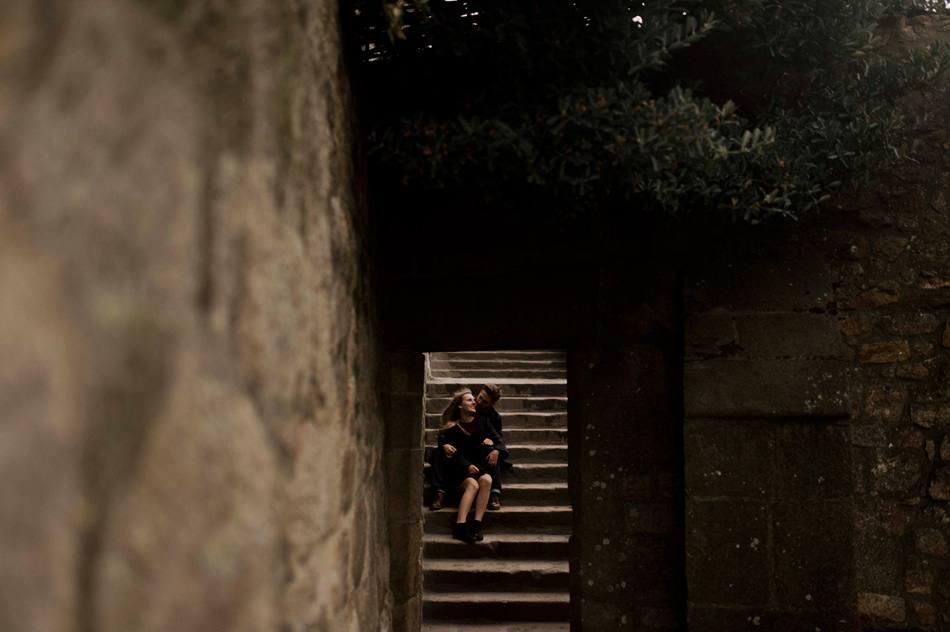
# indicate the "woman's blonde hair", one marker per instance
pixel 452 414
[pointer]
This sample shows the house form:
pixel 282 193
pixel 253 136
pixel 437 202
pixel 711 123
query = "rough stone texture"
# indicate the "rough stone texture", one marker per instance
pixel 191 436
pixel 918 582
pixel 940 483
pixel 883 352
pixel 922 612
pixel 723 537
pixel 791 336
pixel 883 608
pixel 931 542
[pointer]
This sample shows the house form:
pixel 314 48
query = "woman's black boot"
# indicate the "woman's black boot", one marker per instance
pixel 476 530
pixel 460 532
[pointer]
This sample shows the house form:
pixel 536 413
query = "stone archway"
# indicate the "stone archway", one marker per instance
pixel 624 358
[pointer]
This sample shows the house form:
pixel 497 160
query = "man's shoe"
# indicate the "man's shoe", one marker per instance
pixel 494 502
pixel 437 501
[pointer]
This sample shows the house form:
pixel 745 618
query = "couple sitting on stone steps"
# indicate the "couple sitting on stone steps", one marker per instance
pixel 469 458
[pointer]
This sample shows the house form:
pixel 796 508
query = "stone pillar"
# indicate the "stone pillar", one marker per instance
pixel 625 453
pixel 403 401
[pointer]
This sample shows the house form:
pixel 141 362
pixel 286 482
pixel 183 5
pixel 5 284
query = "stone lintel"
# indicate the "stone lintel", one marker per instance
pixel 766 389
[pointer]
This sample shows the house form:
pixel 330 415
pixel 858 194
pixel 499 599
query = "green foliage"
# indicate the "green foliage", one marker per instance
pixel 755 108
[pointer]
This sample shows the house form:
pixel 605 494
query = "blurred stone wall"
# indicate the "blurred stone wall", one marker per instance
pixel 190 437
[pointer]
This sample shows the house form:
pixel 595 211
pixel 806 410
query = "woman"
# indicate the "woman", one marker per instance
pixel 464 440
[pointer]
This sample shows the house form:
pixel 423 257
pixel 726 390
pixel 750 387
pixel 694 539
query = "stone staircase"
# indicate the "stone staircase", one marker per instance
pixel 517 580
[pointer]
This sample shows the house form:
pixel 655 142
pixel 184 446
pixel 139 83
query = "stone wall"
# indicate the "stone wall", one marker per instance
pixel 191 438
pixel 816 408
pixel 767 446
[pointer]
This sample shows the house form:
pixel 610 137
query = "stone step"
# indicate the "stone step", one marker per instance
pixel 505 363
pixel 495 606
pixel 496 374
pixel 549 519
pixel 530 472
pixel 495 575
pixel 518 578
pixel 533 494
pixel 481 626
pixel 515 420
pixel 516 545
pixel 540 354
pixel 511 404
pixel 510 387
pixel 528 453
pixel 517 436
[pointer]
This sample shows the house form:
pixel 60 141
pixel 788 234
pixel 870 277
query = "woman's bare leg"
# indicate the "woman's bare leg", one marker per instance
pixel 469 489
pixel 484 491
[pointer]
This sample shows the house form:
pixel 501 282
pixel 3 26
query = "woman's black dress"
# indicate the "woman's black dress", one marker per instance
pixel 469 450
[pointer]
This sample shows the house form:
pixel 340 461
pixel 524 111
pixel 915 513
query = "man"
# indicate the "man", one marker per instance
pixel 487 396
pixel 485 401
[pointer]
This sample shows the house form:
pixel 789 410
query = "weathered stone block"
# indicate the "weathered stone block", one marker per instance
pixel 877 564
pixel 884 352
pixel 877 517
pixel 889 248
pixel 405 559
pixel 931 542
pixel 791 336
pixel 407 614
pixel 813 461
pixel 766 388
pixel 932 280
pixel 881 608
pixel 812 555
pixel 890 472
pixel 613 371
pixel 915 371
pixel 703 618
pixel 652 518
pixel 923 417
pixel 909 438
pixel 709 336
pixel 935 225
pixel 600 615
pixel 918 582
pixel 727 552
pixel 845 246
pixel 852 297
pixel 729 458
pixel 911 323
pixel 923 612
pixel 403 372
pixel 853 326
pixel 886 403
pixel 869 436
pixel 403 421
pixel 404 476
pixel 939 488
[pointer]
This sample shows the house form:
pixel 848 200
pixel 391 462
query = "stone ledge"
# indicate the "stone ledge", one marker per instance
pixel 766 389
